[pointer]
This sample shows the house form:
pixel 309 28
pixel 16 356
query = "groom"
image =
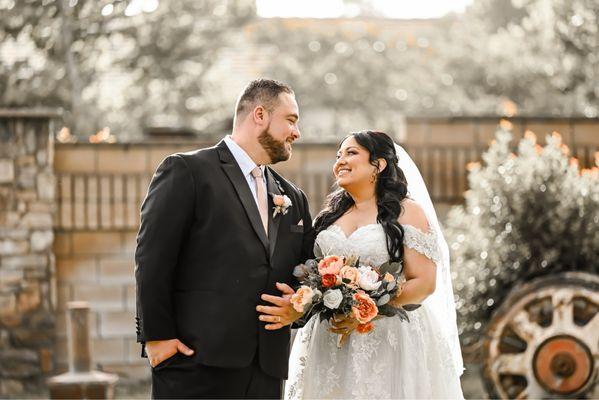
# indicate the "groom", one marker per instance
pixel 220 235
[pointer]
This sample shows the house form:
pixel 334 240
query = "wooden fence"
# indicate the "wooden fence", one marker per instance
pixel 109 201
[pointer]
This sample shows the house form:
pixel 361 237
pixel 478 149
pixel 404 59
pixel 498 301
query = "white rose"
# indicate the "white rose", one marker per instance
pixel 369 278
pixel 332 298
pixel 287 201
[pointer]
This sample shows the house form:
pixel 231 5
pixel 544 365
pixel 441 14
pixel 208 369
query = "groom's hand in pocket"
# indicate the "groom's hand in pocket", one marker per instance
pixel 281 313
pixel 160 350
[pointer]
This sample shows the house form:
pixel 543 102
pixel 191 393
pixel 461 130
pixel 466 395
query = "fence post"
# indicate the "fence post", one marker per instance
pixel 81 382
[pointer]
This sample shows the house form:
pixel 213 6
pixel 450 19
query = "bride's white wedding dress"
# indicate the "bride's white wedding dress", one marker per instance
pixel 396 360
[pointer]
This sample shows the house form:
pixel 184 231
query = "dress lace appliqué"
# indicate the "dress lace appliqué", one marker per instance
pixel 424 243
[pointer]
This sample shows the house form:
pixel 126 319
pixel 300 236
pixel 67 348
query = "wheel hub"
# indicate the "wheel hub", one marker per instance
pixel 563 364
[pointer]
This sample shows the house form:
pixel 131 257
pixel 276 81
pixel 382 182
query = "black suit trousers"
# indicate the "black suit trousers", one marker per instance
pixel 180 378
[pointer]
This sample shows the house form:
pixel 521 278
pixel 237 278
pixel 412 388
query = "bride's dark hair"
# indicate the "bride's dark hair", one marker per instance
pixel 391 188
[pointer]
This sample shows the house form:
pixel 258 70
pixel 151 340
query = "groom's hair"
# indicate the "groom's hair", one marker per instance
pixel 264 92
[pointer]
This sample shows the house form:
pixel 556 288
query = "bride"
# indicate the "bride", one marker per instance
pixel 378 216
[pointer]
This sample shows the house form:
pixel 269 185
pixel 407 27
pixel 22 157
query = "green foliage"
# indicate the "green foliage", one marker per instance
pixel 526 215
pixel 61 56
pixel 74 56
pixel 356 74
pixel 550 46
pixel 348 74
pixel 368 71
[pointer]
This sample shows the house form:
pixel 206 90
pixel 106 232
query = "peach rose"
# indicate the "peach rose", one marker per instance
pixel 301 298
pixel 330 265
pixel 365 328
pixel 388 277
pixel 278 200
pixel 350 273
pixel 281 200
pixel 329 280
pixel 365 308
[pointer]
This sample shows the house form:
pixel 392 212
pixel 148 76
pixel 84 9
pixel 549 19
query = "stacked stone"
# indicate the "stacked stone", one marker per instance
pixel 27 204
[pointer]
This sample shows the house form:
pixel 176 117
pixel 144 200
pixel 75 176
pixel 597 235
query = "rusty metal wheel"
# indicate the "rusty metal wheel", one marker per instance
pixel 543 342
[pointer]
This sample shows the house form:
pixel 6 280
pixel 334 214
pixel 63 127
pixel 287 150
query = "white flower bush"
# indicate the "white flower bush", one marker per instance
pixel 527 214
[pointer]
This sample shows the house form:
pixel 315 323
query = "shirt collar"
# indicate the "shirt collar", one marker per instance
pixel 246 164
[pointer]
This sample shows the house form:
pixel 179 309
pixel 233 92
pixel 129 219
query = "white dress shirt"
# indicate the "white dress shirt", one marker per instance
pixel 246 164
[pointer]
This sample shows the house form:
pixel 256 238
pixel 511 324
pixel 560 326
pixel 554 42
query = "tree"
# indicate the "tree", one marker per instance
pixel 79 50
pixel 501 57
pixel 539 54
pixel 61 38
pixel 354 74
pixel 173 50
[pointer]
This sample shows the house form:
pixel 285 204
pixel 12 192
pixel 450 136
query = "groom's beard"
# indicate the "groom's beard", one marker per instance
pixel 276 150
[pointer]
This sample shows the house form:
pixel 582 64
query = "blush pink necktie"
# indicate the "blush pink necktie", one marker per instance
pixel 261 195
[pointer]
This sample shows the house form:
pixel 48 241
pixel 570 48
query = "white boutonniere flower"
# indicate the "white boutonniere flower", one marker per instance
pixel 282 204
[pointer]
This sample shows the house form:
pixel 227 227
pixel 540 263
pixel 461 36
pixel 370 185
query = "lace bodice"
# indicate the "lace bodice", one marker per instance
pixel 370 243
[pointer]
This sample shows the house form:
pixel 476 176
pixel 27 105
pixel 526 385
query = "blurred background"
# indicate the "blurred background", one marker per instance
pixel 496 100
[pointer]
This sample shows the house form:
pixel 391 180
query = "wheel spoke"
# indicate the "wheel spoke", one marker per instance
pixel 524 327
pixel 523 394
pixel 563 308
pixel 511 364
pixel 591 330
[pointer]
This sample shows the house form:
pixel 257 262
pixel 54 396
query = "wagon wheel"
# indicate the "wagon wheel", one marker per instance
pixel 544 339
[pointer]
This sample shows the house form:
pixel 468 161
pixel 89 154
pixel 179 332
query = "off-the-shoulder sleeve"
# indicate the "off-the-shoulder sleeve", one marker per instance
pixel 423 243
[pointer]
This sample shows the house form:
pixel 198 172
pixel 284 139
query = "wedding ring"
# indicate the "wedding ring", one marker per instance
pixel 278 318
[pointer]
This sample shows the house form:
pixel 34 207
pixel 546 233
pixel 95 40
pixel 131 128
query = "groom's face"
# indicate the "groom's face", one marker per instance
pixel 282 130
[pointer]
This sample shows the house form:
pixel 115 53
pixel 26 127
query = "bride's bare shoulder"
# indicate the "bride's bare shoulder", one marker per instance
pixel 413 214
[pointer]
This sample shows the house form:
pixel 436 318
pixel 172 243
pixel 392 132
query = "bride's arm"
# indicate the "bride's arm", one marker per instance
pixel 420 273
pixel 419 270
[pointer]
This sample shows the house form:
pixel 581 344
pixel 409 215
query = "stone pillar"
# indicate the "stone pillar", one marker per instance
pixel 27 272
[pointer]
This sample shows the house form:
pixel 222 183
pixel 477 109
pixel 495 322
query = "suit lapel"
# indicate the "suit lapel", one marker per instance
pixel 273 222
pixel 231 168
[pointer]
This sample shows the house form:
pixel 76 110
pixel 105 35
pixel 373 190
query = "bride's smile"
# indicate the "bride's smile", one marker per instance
pixel 353 167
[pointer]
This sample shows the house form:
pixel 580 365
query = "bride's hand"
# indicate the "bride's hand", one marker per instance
pixel 396 300
pixel 343 326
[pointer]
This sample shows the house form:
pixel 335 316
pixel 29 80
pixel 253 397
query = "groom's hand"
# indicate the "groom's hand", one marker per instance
pixel 160 350
pixel 282 312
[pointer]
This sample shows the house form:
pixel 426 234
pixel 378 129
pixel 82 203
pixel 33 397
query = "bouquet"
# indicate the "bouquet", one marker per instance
pixel 336 286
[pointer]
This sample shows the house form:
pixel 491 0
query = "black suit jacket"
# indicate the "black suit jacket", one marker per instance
pixel 203 259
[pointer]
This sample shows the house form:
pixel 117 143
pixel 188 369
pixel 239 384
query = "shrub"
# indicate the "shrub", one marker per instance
pixel 527 214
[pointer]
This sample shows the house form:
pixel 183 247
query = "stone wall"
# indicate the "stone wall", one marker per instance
pixel 27 203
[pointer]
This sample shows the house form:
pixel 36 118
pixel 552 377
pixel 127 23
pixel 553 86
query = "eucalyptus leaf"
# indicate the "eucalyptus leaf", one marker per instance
pixel 300 271
pixel 389 267
pixel 391 285
pixel 322 317
pixel 402 314
pixel 383 300
pixel 387 311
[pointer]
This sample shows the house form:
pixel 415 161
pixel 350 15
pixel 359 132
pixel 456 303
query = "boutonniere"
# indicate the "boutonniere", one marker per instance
pixel 282 204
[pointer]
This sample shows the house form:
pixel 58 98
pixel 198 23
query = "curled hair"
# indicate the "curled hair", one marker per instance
pixel 391 189
pixel 263 92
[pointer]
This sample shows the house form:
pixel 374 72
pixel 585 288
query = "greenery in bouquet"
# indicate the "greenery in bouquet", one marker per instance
pixel 341 286
pixel 527 214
